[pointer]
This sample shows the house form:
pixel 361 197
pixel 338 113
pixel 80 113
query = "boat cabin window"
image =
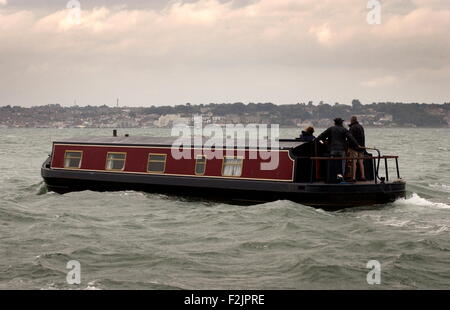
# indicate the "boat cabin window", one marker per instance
pixel 232 167
pixel 72 159
pixel 200 165
pixel 115 161
pixel 156 163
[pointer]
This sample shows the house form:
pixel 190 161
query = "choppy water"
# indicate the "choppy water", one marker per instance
pixel 131 240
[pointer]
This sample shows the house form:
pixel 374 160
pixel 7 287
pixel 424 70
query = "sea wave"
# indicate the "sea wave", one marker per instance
pixel 444 187
pixel 416 200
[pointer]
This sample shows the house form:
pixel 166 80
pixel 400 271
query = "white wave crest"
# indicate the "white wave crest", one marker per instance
pixel 92 286
pixel 416 200
pixel 396 223
pixel 444 187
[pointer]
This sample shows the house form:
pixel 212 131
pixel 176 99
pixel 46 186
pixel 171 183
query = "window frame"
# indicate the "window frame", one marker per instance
pixel 204 164
pixel 157 161
pixel 73 151
pixel 117 153
pixel 241 164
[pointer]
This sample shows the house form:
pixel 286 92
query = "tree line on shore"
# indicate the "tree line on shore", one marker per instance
pixel 396 113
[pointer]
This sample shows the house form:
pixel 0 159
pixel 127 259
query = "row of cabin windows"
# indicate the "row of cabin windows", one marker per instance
pixel 156 163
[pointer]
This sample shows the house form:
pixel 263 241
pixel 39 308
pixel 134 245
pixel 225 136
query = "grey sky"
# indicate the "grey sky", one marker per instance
pixel 201 51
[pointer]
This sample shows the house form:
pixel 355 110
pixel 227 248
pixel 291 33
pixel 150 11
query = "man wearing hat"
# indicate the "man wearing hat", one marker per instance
pixel 337 137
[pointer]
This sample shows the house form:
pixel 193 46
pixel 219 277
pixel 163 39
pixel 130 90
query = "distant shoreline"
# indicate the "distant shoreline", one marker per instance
pixel 300 115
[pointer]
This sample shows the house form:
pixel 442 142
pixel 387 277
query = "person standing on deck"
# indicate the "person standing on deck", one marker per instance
pixel 357 132
pixel 337 137
pixel 307 135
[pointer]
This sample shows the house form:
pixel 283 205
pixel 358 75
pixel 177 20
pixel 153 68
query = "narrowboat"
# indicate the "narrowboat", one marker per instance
pixel 304 172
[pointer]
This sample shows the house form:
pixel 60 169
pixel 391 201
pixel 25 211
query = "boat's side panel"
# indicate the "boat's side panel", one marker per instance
pixel 94 159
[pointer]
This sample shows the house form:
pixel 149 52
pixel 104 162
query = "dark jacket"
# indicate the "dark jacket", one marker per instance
pixel 337 137
pixel 306 136
pixel 357 132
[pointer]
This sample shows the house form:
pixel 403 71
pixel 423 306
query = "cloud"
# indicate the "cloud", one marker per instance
pixel 3 2
pixel 381 81
pixel 302 26
pixel 322 33
pixel 301 40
